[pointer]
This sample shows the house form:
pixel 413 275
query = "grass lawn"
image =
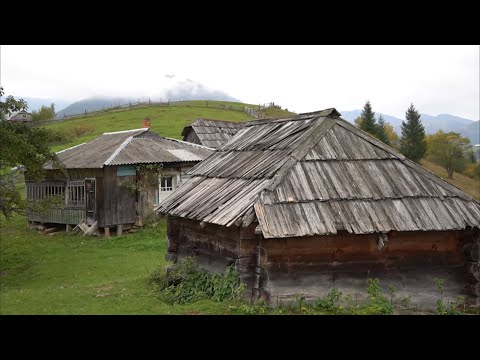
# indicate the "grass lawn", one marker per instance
pixel 69 274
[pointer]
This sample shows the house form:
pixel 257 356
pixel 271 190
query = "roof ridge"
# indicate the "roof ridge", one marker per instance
pixel 411 164
pixel 217 120
pixel 71 147
pixel 125 131
pixel 311 137
pixel 188 143
pixel 117 151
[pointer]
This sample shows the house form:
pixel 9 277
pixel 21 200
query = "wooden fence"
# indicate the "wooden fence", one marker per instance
pixel 255 112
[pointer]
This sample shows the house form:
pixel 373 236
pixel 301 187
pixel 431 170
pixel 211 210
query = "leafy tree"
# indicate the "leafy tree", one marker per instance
pixel 412 142
pixel 392 135
pixel 10 105
pixel 381 132
pixel 368 122
pixel 22 146
pixel 448 150
pixel 45 113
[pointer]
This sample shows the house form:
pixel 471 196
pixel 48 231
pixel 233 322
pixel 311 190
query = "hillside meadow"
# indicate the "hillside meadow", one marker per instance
pixel 65 273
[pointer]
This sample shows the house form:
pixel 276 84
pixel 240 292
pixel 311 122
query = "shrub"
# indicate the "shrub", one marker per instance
pixel 186 281
pixel 329 302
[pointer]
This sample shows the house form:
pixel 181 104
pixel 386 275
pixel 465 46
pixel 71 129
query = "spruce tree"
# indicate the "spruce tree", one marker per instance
pixel 368 123
pixel 412 143
pixel 381 133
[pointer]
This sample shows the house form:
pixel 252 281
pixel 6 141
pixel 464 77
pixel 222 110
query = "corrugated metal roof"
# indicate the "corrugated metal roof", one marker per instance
pixel 213 133
pixel 316 174
pixel 130 147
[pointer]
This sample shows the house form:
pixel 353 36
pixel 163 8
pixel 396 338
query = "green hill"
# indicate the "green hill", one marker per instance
pixel 167 121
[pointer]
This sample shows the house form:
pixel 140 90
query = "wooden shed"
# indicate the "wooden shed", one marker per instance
pixel 311 203
pixel 104 180
pixel 211 133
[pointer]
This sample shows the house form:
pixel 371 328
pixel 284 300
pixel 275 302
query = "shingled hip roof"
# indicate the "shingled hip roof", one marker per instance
pixel 139 146
pixel 316 174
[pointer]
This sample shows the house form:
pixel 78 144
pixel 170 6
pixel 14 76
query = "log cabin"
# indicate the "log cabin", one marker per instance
pixel 114 180
pixel 305 204
pixel 211 133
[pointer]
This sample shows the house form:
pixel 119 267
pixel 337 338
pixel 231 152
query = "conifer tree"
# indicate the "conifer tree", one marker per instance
pixel 412 143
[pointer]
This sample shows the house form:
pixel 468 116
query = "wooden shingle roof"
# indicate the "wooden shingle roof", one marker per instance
pixel 139 146
pixel 316 174
pixel 213 133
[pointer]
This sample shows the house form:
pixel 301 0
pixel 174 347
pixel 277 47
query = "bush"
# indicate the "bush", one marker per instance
pixel 329 302
pixel 186 282
pixel 473 170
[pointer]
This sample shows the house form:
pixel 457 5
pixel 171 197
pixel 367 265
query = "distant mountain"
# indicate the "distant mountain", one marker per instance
pixel 444 122
pixel 472 131
pixel 93 104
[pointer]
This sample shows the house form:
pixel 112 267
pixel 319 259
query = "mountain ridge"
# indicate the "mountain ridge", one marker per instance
pixel 445 122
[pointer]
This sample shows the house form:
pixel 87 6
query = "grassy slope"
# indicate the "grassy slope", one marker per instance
pixel 167 121
pixel 467 184
pixel 69 274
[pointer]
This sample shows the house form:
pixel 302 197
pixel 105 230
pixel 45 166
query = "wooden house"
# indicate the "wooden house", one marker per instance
pixel 211 133
pixel 115 179
pixel 311 203
pixel 22 116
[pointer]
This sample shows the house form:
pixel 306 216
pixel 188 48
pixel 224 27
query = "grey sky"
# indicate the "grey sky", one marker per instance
pixel 437 79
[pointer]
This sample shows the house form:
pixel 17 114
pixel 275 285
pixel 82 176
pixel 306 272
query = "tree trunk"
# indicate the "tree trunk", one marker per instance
pixel 450 172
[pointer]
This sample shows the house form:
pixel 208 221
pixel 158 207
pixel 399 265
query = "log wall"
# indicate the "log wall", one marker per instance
pixel 279 269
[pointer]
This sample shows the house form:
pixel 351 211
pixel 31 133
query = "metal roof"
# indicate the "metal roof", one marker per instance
pixel 137 146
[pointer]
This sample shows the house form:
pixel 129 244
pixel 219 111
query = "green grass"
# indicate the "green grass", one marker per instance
pixel 167 121
pixel 467 184
pixel 69 274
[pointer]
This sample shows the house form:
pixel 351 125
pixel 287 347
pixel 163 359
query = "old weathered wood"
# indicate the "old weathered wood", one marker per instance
pixel 472 252
pixel 50 230
pixel 106 231
pixel 92 229
pixel 327 197
pixel 68 228
pixel 119 230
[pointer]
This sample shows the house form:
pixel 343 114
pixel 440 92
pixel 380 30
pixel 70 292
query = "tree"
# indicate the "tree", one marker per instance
pixel 368 122
pixel 23 146
pixel 10 105
pixel 381 132
pixel 412 142
pixel 448 150
pixel 45 113
pixel 392 136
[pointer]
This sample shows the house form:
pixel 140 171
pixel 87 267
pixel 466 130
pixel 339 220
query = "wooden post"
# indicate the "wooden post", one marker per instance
pixel 119 230
pixel 68 228
pixel 107 232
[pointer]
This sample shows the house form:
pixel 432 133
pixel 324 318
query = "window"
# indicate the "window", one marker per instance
pixel 166 183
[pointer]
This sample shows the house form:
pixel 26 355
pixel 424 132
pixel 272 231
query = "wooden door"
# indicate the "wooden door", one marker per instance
pixel 90 203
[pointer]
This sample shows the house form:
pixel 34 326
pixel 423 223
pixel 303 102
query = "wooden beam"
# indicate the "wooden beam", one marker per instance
pixel 107 231
pixel 119 230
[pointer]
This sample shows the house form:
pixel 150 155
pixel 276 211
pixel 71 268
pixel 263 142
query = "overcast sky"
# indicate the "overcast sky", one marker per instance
pixel 437 79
